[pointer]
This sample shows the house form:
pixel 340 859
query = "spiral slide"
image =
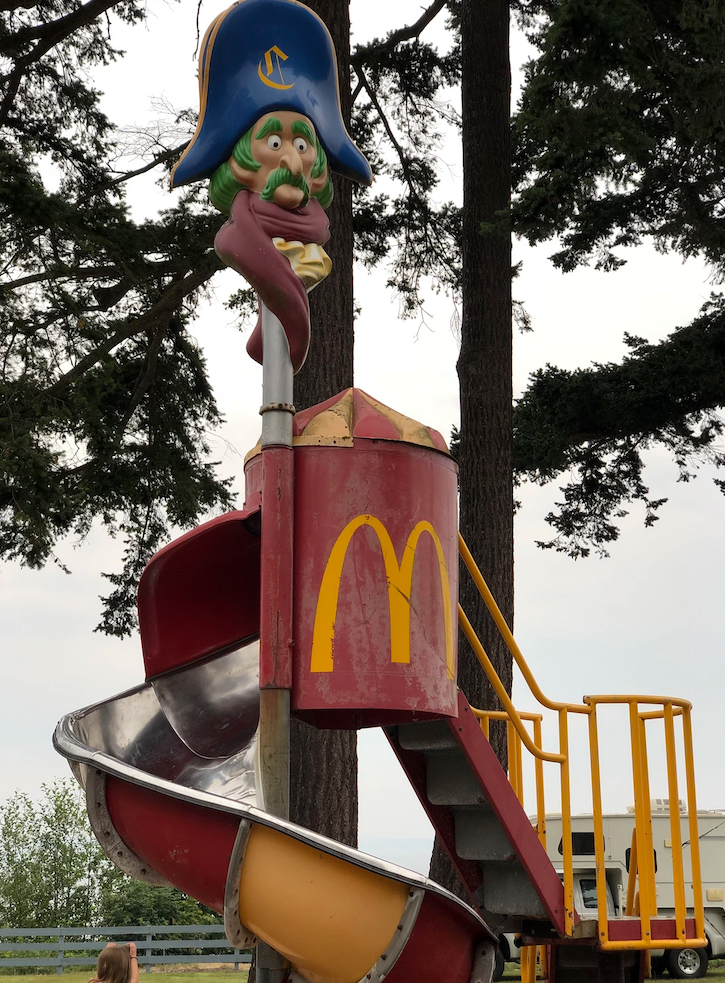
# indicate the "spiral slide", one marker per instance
pixel 169 774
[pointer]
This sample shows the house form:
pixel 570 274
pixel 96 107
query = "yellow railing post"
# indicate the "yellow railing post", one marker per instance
pixel 601 871
pixel 528 963
pixel 543 953
pixel 632 875
pixel 647 839
pixel 539 773
pixel 678 874
pixel 694 831
pixel 566 824
pixel 644 844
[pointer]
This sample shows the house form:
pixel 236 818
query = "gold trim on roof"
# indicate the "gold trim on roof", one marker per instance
pixel 335 426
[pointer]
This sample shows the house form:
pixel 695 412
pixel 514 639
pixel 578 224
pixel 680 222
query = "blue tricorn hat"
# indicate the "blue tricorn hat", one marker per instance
pixel 258 56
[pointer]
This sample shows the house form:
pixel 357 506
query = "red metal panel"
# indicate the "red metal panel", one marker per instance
pixel 378 489
pixel 441 817
pixel 200 594
pixel 189 845
pixel 501 797
pixel 630 929
pixel 275 640
pixel 441 946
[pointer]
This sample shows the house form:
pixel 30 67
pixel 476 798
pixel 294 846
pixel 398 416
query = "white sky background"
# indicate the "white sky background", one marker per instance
pixel 647 620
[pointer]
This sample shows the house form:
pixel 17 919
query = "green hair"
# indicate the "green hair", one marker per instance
pixel 242 152
pixel 223 186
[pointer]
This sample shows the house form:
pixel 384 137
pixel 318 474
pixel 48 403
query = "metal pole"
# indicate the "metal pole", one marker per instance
pixel 277 384
pixel 276 603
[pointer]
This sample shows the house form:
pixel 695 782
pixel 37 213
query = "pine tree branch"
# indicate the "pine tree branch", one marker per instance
pixel 54 31
pixel 404 33
pixel 357 59
pixel 416 29
pixel 87 273
pixel 50 34
pixel 146 377
pixel 162 309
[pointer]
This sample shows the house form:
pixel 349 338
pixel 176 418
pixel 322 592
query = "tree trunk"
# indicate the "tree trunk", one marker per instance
pixel 484 364
pixel 323 795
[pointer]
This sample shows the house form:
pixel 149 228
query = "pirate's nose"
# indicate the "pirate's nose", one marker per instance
pixel 292 161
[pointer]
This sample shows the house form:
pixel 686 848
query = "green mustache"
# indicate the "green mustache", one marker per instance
pixel 283 176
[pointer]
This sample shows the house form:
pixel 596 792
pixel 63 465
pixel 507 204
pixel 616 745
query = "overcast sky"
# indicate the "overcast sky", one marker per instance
pixel 647 620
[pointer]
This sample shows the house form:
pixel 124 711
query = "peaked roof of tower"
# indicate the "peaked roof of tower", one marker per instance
pixel 353 414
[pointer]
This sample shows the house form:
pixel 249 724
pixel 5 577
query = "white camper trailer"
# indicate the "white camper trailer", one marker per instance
pixel 681 963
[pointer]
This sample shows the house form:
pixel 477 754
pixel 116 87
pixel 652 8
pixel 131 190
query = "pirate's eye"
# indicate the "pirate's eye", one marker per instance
pixel 299 144
pixel 274 142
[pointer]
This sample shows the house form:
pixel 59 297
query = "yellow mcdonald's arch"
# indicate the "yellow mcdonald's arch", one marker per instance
pixel 400 579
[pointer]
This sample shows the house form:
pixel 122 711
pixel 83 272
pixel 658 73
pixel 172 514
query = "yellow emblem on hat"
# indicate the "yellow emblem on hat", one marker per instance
pixel 266 76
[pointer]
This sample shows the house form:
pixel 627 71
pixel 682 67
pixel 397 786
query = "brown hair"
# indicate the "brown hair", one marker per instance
pixel 114 965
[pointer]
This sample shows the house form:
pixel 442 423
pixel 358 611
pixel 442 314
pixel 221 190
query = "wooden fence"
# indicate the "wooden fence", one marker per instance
pixel 61 947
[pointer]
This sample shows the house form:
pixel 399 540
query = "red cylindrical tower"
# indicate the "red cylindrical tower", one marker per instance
pixel 376 565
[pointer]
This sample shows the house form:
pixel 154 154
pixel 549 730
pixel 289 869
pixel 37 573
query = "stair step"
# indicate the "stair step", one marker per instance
pixel 507 890
pixel 450 781
pixel 479 835
pixel 433 735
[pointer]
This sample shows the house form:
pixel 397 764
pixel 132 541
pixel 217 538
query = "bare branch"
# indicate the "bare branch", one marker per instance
pixel 158 159
pixel 391 135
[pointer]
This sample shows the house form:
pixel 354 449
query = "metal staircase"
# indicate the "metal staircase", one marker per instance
pixel 481 823
pixel 478 813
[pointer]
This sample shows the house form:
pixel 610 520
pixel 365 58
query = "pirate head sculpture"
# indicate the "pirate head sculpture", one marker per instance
pixel 270 131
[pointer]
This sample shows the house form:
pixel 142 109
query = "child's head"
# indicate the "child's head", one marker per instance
pixel 114 964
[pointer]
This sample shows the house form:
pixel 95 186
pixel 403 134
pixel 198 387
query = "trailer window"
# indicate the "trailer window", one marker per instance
pixel 628 851
pixel 582 845
pixel 589 892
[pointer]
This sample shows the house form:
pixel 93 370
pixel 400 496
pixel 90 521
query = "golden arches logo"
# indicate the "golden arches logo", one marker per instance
pixel 400 579
pixel 266 75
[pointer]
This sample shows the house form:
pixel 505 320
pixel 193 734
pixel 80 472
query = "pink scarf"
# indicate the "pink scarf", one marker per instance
pixel 245 244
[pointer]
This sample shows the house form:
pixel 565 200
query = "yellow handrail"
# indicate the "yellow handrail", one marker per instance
pixel 500 690
pixel 508 637
pixel 643 903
